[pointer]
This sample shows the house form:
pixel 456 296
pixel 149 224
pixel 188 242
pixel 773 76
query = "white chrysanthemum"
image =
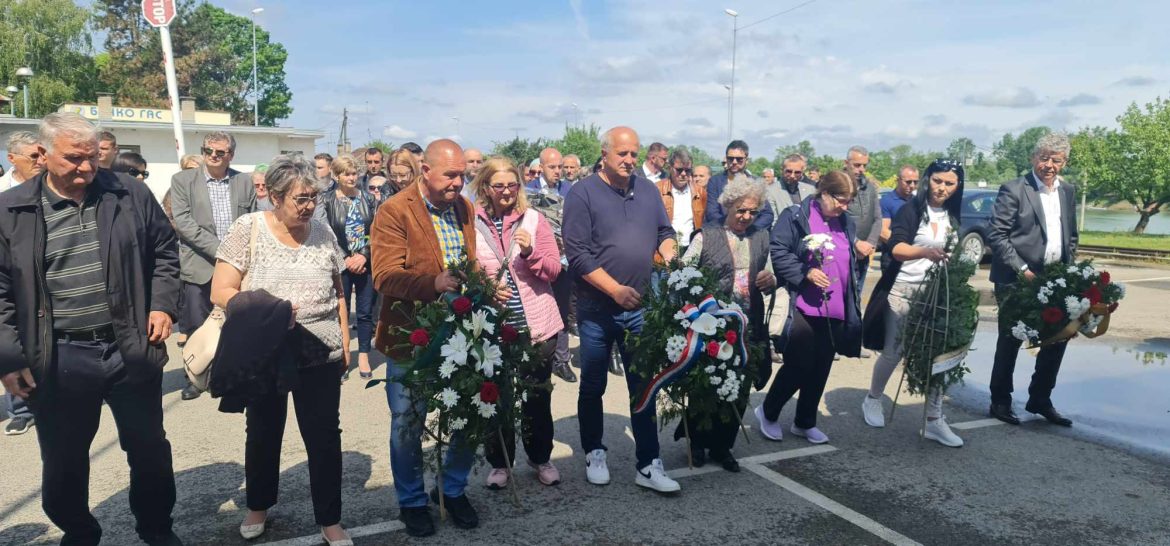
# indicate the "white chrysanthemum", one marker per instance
pixel 676 342
pixel 458 423
pixel 696 290
pixel 524 396
pixel 449 397
pixel 673 355
pixel 1076 306
pixel 1073 269
pixel 1063 283
pixel 1088 272
pixel 684 323
pixel 722 323
pixel 456 348
pixel 492 358
pixel 486 410
pixel 1091 326
pixel 679 315
pixel 446 369
pixel 715 380
pixel 1043 299
pixel 829 245
pixel 1020 331
pixel 709 370
pixel 524 357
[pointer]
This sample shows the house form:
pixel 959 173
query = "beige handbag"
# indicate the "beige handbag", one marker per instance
pixel 199 352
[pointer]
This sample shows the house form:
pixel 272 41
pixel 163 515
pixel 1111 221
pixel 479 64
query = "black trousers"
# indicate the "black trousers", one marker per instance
pixel 1007 348
pixel 68 412
pixel 316 401
pixel 536 423
pixel 196 305
pixel 808 359
pixel 720 438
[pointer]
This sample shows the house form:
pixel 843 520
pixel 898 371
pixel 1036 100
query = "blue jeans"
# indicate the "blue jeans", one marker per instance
pixel 17 407
pixel 363 310
pixel 406 456
pixel 600 328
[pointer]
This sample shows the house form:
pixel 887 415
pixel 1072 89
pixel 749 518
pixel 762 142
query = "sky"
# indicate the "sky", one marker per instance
pixel 834 72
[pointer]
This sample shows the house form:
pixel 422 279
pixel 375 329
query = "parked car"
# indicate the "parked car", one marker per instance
pixel 976 218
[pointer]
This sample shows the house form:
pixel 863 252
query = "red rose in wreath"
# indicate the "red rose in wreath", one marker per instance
pixel 713 349
pixel 419 337
pixel 1094 295
pixel 1052 315
pixel 489 392
pixel 731 336
pixel 509 334
pixel 1105 278
pixel 461 305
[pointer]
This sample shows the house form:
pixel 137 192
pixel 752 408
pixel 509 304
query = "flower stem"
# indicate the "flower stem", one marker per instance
pixel 687 433
pixel 508 467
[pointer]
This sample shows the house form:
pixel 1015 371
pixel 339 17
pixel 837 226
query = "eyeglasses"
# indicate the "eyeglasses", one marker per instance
pixel 792 172
pixel 398 177
pixel 217 154
pixel 302 201
pixel 501 188
pixel 841 200
pixel 533 173
pixel 136 173
pixel 734 159
pixel 374 188
pixel 747 212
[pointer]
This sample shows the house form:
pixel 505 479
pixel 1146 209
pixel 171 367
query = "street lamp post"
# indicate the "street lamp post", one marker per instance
pixel 12 90
pixel 576 115
pixel 728 88
pixel 255 79
pixel 25 73
pixel 731 99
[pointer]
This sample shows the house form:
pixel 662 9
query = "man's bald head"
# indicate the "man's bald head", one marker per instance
pixel 550 165
pixel 443 168
pixel 618 134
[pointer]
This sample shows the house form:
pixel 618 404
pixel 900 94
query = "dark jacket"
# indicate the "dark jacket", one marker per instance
pixel 714 215
pixel 139 260
pixel 903 229
pixel 337 209
pixel 788 252
pixel 1017 232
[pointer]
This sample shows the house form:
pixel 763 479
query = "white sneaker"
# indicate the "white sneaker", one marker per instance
pixel 872 409
pixel 596 471
pixel 653 476
pixel 939 431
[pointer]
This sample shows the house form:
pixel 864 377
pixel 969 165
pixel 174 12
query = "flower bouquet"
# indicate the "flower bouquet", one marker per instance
pixel 1061 302
pixel 693 351
pixel 468 367
pixel 818 246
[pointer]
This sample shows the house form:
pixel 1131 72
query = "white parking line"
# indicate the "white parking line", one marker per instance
pixel 356 532
pixel 979 423
pixel 754 459
pixel 881 531
pixel 1151 279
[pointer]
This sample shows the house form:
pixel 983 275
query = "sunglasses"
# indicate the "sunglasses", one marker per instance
pixel 748 212
pixel 209 152
pixel 374 188
pixel 136 173
pixel 684 170
pixel 740 159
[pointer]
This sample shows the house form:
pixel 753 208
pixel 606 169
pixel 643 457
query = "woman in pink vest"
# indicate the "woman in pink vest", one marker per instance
pixel 516 244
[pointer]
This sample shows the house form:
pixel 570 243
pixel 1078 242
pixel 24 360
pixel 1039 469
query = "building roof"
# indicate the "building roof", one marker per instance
pixel 289 132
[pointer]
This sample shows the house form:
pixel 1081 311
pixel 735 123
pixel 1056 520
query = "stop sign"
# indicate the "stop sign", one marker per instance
pixel 159 13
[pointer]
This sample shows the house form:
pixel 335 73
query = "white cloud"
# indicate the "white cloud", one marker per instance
pixel 1080 99
pixel 579 18
pixel 398 132
pixel 1135 81
pixel 1013 97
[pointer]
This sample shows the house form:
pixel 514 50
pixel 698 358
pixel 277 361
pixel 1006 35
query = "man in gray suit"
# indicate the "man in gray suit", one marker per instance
pixel 1033 225
pixel 205 202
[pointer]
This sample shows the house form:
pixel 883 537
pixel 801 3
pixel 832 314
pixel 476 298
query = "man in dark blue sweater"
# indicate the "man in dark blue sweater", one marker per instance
pixel 614 221
pixel 736 157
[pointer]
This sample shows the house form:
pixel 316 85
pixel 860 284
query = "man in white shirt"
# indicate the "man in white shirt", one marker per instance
pixel 27 157
pixel 652 166
pixel 1033 225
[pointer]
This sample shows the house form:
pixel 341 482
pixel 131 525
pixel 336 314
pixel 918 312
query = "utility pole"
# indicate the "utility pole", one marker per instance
pixel 343 134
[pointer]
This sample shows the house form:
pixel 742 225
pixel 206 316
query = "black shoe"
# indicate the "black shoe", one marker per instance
pixel 463 515
pixel 698 456
pixel 727 460
pixel 418 521
pixel 191 392
pixel 615 364
pixel 19 425
pixel 1051 415
pixel 563 371
pixel 168 539
pixel 1004 413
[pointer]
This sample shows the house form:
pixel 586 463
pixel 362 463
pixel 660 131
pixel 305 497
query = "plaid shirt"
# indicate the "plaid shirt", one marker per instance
pixel 220 192
pixel 447 230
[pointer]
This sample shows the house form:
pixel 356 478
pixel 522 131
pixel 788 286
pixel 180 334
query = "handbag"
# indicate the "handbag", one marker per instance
pixel 199 352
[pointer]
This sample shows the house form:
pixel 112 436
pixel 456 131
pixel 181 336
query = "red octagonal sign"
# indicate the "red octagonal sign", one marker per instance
pixel 159 13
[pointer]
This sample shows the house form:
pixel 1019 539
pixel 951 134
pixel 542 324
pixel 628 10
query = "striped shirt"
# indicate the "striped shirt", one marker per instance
pixel 220 192
pixel 73 263
pixel 447 229
pixel 514 305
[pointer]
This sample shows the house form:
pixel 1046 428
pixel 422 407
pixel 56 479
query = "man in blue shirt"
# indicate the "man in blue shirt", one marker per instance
pixel 905 186
pixel 736 158
pixel 614 222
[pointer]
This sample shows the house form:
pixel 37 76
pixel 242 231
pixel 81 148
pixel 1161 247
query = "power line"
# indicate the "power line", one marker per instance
pixel 775 15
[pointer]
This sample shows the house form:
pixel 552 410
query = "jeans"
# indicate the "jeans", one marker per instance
pixel 406 456
pixel 363 309
pixel 316 401
pixel 600 328
pixel 17 407
pixel 563 293
pixel 68 410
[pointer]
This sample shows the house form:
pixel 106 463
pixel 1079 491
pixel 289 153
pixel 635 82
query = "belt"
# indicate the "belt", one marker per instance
pixel 103 333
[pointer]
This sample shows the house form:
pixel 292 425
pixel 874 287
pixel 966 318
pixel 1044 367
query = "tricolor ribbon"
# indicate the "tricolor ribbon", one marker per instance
pixel 703 318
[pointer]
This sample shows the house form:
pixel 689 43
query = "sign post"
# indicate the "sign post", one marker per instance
pixel 160 13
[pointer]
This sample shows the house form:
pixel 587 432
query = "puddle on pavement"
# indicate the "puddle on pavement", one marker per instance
pixel 1114 388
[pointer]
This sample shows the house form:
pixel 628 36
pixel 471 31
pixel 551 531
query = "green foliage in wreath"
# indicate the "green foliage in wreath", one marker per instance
pixel 942 319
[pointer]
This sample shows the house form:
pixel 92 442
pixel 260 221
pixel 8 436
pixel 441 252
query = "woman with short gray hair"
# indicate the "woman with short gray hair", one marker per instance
pixel 288 255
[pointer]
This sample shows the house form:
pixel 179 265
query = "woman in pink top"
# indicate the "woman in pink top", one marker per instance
pixel 515 243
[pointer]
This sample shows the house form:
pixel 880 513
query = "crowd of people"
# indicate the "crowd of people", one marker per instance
pixel 95 274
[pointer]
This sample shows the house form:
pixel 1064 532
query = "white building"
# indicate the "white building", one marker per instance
pixel 148 131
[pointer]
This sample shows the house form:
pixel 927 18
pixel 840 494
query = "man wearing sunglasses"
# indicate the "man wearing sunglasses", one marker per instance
pixel 891 202
pixel 27 157
pixel 736 160
pixel 685 201
pixel 205 202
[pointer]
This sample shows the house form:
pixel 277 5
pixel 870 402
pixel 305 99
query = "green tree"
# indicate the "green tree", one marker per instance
pixel 213 60
pixel 520 150
pixel 1131 164
pixel 1016 152
pixel 386 147
pixel 50 37
pixel 584 141
pixel 804 148
pixel 962 149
